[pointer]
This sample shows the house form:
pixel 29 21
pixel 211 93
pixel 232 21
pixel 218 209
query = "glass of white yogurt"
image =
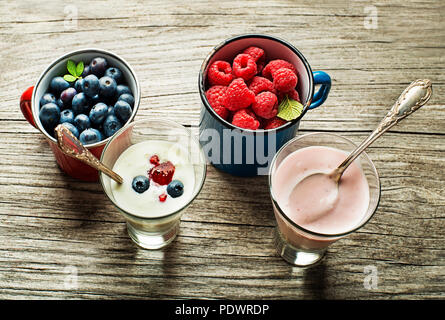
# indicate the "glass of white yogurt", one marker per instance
pixel 308 222
pixel 163 168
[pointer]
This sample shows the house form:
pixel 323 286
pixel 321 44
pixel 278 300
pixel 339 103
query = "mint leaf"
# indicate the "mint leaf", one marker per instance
pixel 79 69
pixel 69 78
pixel 289 109
pixel 71 66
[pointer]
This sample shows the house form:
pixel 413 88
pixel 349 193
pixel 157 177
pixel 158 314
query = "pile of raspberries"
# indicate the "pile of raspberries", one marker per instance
pixel 248 92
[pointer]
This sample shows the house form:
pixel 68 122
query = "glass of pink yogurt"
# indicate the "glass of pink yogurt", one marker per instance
pixel 308 222
pixel 163 169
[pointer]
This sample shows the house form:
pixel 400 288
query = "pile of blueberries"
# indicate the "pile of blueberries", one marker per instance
pixel 93 107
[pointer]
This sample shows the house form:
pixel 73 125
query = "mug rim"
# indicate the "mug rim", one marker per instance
pixel 314 233
pixel 72 53
pixel 201 84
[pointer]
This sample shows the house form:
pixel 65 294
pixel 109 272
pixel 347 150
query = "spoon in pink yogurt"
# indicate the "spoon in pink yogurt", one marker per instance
pixel 325 184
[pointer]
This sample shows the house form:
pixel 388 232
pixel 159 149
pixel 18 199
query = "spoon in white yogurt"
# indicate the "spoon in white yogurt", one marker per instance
pixel 325 184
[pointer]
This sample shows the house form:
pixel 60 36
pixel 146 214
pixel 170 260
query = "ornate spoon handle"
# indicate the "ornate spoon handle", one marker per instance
pixel 72 147
pixel 412 98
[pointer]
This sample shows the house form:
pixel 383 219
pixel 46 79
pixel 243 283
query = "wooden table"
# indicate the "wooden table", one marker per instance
pixel 61 238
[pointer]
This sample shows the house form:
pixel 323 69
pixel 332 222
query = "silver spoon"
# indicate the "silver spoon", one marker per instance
pixel 412 98
pixel 72 147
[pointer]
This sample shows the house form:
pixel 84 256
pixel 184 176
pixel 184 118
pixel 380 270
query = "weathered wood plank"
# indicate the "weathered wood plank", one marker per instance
pixel 51 224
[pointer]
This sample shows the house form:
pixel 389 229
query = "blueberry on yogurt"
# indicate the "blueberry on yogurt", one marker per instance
pixel 140 184
pixel 175 188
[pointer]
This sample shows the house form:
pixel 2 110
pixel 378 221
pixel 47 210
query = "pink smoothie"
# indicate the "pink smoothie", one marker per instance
pixel 314 203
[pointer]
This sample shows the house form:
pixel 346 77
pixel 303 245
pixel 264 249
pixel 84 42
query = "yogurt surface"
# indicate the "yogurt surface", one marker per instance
pixel 313 208
pixel 135 161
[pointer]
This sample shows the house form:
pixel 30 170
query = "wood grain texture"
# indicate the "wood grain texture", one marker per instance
pixel 51 224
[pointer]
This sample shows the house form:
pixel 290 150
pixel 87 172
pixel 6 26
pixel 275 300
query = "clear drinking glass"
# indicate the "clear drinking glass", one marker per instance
pixel 295 244
pixel 154 232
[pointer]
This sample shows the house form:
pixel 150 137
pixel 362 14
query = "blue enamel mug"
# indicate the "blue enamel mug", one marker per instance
pixel 244 152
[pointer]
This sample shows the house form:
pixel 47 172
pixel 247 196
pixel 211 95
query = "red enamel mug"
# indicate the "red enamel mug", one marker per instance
pixel 30 106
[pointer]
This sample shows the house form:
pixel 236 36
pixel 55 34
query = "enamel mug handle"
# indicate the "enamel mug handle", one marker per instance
pixel 322 78
pixel 25 106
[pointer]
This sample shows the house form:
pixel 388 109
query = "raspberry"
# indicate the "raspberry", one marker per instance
pixel 274 123
pixel 220 73
pixel 260 84
pixel 246 119
pixel 215 96
pixel 162 173
pixel 284 80
pixel 222 112
pixel 293 94
pixel 162 197
pixel 260 67
pixel 265 105
pixel 238 96
pixel 274 65
pixel 244 66
pixel 256 53
pixel 154 160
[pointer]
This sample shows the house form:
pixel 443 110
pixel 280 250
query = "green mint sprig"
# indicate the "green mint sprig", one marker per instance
pixel 289 109
pixel 74 70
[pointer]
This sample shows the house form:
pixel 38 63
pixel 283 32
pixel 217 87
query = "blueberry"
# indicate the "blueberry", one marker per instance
pixel 49 116
pixel 78 85
pixel 140 184
pixel 98 66
pixel 67 115
pixel 60 104
pixel 93 100
pixel 90 85
pixel 122 110
pixel 85 72
pixel 71 128
pixel 82 122
pixel 175 188
pixel 107 86
pixel 110 111
pixel 111 125
pixel 98 113
pixel 80 104
pixel 128 98
pixel 99 127
pixel 47 98
pixel 67 96
pixel 90 136
pixel 114 73
pixel 121 89
pixel 58 84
